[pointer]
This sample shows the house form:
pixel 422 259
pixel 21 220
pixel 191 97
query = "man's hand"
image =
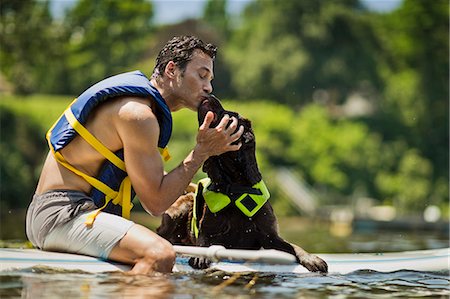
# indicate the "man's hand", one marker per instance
pixel 218 140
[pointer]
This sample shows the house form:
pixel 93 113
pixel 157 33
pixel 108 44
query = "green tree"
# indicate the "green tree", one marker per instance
pixel 409 186
pixel 287 50
pixel 22 149
pixel 416 95
pixel 215 14
pixel 31 44
pixel 217 19
pixel 414 105
pixel 105 37
pixel 339 156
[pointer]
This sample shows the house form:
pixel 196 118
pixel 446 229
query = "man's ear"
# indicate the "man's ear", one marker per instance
pixel 170 70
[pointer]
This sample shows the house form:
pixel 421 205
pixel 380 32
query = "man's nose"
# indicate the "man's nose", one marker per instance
pixel 208 87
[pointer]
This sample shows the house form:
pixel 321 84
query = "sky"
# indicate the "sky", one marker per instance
pixel 173 11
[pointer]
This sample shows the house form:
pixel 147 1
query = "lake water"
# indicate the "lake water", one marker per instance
pixel 42 282
pixel 48 283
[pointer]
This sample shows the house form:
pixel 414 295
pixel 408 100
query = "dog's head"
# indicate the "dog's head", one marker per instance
pixel 239 166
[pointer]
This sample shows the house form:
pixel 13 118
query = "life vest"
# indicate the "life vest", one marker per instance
pixel 249 200
pixel 112 190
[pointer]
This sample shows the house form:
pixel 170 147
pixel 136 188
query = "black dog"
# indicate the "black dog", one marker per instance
pixel 232 209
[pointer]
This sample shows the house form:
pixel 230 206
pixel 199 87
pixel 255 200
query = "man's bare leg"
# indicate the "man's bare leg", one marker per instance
pixel 144 249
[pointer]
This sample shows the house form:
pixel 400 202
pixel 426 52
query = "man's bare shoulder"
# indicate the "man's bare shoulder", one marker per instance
pixel 135 120
pixel 131 109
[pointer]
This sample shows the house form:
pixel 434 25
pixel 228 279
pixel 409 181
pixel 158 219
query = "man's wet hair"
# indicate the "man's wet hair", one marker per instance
pixel 180 50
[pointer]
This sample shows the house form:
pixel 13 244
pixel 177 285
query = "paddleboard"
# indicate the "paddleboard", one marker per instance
pixel 423 260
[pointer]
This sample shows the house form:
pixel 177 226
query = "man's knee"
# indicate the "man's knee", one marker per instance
pixel 162 254
pixel 146 250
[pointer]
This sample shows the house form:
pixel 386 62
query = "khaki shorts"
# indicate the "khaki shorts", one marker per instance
pixel 97 240
pixel 55 222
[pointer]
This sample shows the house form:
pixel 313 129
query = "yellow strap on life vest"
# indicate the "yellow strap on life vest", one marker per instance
pixel 121 197
pixel 165 153
pixel 89 138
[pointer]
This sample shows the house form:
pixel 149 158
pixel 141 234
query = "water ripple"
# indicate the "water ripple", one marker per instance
pixel 53 283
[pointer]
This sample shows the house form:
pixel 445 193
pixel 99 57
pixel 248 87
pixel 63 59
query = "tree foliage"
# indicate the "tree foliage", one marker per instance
pixel 105 37
pixel 298 47
pixel 29 41
pixel 215 14
pixel 297 52
pixel 96 39
pixel 416 94
pixel 21 153
pixel 294 66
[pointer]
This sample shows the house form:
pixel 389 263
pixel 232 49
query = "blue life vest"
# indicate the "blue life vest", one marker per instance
pixel 65 129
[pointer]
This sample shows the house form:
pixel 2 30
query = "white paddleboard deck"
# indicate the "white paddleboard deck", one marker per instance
pixel 423 260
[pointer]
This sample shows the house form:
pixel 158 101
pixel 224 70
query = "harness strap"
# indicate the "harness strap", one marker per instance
pixel 194 227
pixel 249 200
pixel 201 186
pixel 234 189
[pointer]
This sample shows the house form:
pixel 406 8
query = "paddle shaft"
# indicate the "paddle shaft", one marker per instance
pixel 217 252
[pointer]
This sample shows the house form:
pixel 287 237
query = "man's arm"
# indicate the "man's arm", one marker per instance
pixel 139 130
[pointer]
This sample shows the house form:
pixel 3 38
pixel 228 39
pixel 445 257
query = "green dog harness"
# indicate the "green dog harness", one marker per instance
pixel 249 203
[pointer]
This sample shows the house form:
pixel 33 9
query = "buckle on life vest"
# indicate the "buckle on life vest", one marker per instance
pixel 249 204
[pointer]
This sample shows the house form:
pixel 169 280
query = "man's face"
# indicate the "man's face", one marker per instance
pixel 194 84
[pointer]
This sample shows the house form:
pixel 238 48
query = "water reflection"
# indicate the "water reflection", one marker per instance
pixel 50 283
pixel 360 284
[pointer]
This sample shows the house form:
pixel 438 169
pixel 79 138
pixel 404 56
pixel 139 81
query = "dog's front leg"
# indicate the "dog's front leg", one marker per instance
pixel 310 261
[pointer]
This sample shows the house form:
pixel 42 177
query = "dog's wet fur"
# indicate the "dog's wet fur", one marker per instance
pixel 229 227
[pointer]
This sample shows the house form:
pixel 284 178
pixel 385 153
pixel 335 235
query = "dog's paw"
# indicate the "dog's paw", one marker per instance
pixel 313 263
pixel 199 262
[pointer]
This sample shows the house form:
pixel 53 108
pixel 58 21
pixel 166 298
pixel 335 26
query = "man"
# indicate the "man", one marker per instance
pixel 119 123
